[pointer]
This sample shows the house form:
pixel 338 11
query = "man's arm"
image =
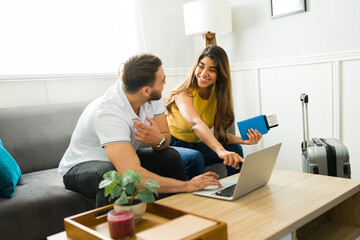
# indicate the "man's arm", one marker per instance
pixel 123 157
pixel 164 129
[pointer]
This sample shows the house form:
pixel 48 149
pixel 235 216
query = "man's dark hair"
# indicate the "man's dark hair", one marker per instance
pixel 139 71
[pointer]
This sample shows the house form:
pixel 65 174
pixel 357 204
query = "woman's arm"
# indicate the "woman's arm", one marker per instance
pixel 189 113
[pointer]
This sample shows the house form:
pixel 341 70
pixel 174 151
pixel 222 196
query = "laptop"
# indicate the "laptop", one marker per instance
pixel 255 173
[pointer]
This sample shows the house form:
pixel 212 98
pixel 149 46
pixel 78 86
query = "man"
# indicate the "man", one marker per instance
pixel 113 128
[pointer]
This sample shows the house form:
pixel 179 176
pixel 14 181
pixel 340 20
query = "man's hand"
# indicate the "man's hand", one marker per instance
pixel 149 135
pixel 203 180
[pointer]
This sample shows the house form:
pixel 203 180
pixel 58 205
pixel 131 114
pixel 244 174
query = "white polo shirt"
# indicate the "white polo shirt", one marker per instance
pixel 106 120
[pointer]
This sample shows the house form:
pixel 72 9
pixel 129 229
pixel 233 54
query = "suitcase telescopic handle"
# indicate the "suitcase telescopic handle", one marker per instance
pixel 304 101
pixel 304 98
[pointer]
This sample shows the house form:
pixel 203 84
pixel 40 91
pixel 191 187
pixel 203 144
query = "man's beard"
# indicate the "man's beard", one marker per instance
pixel 154 95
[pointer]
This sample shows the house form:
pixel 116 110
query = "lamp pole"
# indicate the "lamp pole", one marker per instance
pixel 209 39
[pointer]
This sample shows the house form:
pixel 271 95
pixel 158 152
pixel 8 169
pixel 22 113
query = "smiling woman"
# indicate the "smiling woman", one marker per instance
pixel 201 102
pixel 67 37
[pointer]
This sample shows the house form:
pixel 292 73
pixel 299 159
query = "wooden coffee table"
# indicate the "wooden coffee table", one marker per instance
pixel 307 206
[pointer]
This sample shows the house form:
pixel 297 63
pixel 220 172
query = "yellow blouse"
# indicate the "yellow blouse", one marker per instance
pixel 180 129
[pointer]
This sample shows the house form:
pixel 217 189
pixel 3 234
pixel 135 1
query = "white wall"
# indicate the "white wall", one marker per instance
pixel 275 60
pixel 328 26
pixel 66 37
pixel 275 87
pixel 349 114
pixel 164 34
pixel 40 90
pixel 26 91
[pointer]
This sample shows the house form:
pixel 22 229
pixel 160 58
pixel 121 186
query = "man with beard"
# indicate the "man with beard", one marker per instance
pixel 126 128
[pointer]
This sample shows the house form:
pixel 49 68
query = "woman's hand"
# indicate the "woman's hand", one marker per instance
pixel 230 158
pixel 254 137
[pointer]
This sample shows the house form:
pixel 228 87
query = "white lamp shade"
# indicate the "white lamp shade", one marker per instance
pixel 207 16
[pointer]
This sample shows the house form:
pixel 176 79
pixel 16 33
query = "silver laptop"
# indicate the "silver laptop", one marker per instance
pixel 255 173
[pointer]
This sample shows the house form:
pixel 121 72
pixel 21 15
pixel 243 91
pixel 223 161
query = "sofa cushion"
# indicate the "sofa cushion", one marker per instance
pixel 39 205
pixel 218 168
pixel 9 173
pixel 37 136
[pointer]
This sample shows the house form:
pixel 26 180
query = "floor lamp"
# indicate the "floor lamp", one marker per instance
pixel 207 17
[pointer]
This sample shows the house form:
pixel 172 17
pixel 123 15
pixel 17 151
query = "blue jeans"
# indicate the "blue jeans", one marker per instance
pixel 196 156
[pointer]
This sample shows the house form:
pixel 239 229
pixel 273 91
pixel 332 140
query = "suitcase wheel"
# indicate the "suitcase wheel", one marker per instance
pixel 346 169
pixel 316 170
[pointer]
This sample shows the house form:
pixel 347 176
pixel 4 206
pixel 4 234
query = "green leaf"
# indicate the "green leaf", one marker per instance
pixel 116 177
pixel 138 178
pixel 112 176
pixel 105 183
pixel 109 188
pixel 130 189
pixel 152 183
pixel 128 172
pixel 129 177
pixel 107 175
pixel 122 199
pixel 146 196
pixel 116 192
pixel 152 190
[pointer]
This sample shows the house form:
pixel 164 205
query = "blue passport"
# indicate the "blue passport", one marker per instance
pixel 261 123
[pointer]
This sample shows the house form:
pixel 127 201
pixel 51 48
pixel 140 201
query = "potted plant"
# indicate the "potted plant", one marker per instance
pixel 131 192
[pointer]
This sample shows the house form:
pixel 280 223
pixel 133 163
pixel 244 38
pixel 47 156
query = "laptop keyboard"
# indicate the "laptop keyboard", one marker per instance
pixel 226 192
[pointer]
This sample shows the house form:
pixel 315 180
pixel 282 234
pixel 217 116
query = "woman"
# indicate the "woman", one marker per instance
pixel 202 101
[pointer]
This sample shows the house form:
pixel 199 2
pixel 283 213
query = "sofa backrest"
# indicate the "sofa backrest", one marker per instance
pixel 37 136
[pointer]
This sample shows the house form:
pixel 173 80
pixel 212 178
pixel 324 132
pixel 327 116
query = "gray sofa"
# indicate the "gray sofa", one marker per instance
pixel 37 137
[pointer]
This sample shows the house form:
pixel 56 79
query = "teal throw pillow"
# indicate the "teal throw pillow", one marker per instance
pixel 10 173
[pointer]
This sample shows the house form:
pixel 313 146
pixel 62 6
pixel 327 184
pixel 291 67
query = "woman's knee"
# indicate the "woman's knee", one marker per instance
pixel 196 158
pixel 190 157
